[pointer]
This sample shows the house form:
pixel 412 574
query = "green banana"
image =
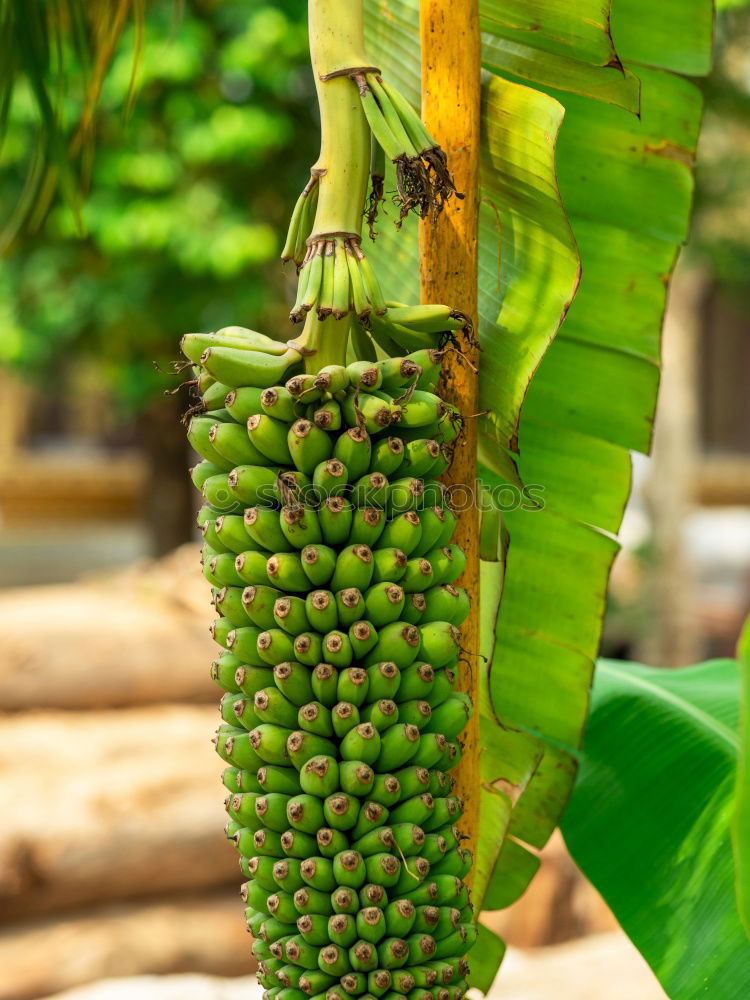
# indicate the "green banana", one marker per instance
pixel 350 606
pixel 293 680
pixel 314 928
pixel 271 706
pixel 237 367
pixel 269 438
pixel 244 402
pixel 344 716
pixel 373 895
pixel 278 779
pixel 301 746
pixel 335 517
pixel 341 811
pixel 318 564
pixel 315 718
pixel 324 684
pixel 330 843
pixel 368 520
pixel 276 401
pixel 381 714
pixel 414 609
pixel 290 614
pixel 399 744
pixel 372 816
pixel 262 525
pixel 233 444
pixel 193 345
pixel 362 743
pixel 354 448
pixel 354 568
pixel 300 526
pixel 352 687
pixel 364 375
pixel 384 680
pixel 320 610
pixel 330 479
pixel 320 776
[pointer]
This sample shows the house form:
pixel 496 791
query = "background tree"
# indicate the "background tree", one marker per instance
pixel 183 222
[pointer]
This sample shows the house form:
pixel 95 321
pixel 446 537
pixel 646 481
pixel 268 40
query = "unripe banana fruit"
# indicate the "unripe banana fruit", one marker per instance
pixel 328 545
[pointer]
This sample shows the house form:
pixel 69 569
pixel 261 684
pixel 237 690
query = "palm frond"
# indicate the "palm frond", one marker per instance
pixel 57 47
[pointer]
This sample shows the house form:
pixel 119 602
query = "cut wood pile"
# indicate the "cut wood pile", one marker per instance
pixel 112 861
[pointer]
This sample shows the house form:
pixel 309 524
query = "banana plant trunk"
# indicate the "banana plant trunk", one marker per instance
pixel 451 50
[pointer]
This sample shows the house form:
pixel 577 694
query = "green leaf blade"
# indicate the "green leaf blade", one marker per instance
pixel 649 820
pixel 611 83
pixel 578 29
pixel 538 264
pixel 741 819
pixel 647 33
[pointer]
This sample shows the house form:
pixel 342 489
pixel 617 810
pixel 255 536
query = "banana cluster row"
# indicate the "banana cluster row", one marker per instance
pixel 327 543
pixel 336 278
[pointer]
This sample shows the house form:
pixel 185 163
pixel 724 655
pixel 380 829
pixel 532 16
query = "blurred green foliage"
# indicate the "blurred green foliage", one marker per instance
pixel 189 198
pixel 721 227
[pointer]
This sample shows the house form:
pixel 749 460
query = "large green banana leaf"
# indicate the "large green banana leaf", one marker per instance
pixel 613 199
pixel 649 821
pixel 741 824
pixel 559 45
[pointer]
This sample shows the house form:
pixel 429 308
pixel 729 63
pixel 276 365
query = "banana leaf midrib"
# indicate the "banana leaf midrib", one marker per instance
pixel 721 731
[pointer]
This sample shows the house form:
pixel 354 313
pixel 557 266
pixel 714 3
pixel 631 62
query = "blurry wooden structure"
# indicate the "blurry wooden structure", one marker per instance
pixel 70 488
pixel 68 462
pixel 112 860
pixel 60 484
pixel 701 462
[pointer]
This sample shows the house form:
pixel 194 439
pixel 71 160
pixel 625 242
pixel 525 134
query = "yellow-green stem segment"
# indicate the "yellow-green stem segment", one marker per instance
pixel 336 45
pixel 323 341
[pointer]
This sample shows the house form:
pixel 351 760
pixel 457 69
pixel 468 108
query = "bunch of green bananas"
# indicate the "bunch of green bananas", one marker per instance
pixel 336 278
pixel 328 547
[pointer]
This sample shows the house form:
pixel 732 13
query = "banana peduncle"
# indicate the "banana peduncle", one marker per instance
pixel 342 170
pixel 336 46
